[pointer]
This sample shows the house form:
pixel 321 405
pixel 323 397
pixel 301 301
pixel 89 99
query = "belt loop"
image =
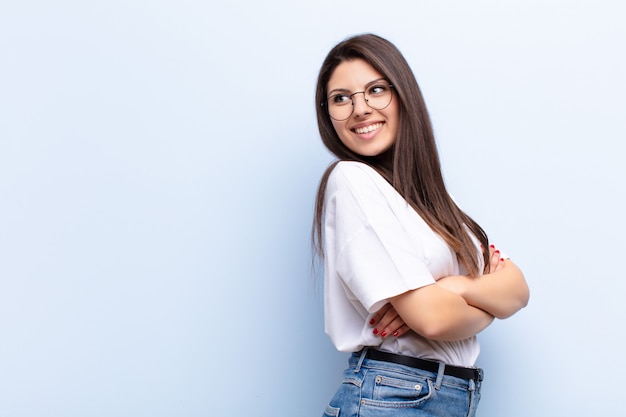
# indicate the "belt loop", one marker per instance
pixel 361 359
pixel 472 385
pixel 440 372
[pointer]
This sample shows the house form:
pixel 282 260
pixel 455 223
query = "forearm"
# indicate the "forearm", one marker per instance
pixel 464 323
pixel 438 314
pixel 501 293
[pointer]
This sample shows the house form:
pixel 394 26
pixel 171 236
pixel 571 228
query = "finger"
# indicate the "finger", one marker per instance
pixel 500 264
pixel 386 320
pixel 375 319
pixel 393 328
pixel 495 258
pixel 402 330
pixel 496 261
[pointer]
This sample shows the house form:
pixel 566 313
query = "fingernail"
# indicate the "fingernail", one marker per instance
pixel 375 331
pixel 497 251
pixel 492 246
pixel 396 333
pixel 383 334
pixel 501 259
pixel 372 321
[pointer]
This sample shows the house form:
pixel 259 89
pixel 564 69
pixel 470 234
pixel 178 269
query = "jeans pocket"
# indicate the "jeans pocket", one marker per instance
pixel 396 392
pixel 331 411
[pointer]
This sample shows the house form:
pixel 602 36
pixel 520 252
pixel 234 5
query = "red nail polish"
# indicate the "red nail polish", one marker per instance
pixel 501 259
pixel 497 251
pixel 396 333
pixel 383 334
pixel 372 321
pixel 375 331
pixel 492 246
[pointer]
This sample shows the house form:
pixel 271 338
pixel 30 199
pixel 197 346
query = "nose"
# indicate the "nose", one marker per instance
pixel 360 106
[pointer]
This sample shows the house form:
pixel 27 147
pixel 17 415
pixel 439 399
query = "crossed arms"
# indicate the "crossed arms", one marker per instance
pixel 457 307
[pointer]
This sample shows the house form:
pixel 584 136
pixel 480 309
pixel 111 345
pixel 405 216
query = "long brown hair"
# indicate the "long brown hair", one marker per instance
pixel 412 164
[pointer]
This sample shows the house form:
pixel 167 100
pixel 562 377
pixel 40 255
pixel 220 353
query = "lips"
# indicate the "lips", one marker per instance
pixel 367 129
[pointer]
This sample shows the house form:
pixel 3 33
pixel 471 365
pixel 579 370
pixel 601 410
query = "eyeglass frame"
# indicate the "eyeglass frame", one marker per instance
pixel 325 103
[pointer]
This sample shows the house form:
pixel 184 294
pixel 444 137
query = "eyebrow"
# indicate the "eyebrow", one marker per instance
pixel 342 90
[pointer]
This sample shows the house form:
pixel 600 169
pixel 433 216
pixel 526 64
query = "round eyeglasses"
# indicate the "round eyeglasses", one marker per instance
pixel 377 95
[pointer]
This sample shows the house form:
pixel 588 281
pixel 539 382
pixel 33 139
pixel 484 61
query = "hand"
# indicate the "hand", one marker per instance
pixel 458 284
pixel 496 262
pixel 387 322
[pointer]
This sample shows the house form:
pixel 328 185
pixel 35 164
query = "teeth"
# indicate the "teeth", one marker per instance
pixel 368 129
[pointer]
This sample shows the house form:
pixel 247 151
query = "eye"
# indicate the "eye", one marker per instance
pixel 339 99
pixel 377 89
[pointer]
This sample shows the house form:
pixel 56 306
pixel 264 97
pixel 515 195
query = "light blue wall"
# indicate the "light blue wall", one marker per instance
pixel 158 162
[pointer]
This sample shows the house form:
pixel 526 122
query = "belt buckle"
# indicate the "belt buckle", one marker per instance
pixel 479 374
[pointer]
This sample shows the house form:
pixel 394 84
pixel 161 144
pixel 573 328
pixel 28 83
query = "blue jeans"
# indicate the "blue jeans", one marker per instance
pixel 373 388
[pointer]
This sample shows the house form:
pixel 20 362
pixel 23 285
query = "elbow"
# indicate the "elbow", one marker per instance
pixel 523 298
pixel 439 335
pixel 433 332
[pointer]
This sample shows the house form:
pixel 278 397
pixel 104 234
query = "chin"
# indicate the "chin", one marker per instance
pixel 375 151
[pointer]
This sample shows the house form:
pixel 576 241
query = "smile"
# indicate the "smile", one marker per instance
pixel 368 129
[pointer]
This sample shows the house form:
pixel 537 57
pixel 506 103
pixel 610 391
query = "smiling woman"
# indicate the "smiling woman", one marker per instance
pixel 409 278
pixel 369 125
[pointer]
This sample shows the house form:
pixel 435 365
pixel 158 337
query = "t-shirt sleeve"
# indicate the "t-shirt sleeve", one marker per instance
pixel 376 257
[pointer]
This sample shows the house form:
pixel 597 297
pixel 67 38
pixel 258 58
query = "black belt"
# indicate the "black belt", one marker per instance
pixel 431 366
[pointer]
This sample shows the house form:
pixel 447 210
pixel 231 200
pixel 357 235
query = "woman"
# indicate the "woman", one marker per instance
pixel 398 252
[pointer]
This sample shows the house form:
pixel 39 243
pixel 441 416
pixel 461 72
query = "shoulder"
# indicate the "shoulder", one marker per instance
pixel 353 174
pixel 355 183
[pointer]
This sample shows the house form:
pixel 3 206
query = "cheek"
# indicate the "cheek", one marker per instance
pixel 337 126
pixel 340 130
pixel 394 119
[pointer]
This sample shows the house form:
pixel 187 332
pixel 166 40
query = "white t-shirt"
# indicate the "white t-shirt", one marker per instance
pixel 377 247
